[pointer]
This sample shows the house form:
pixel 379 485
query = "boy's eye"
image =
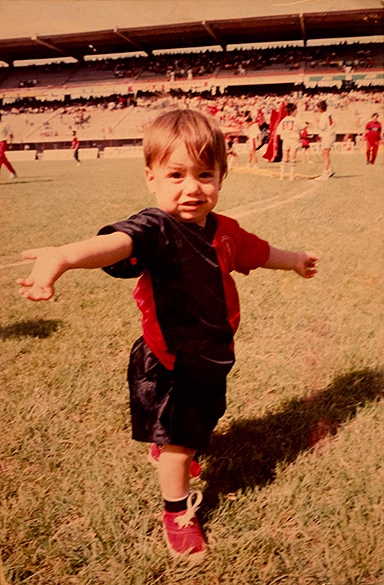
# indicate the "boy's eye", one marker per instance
pixel 175 175
pixel 206 175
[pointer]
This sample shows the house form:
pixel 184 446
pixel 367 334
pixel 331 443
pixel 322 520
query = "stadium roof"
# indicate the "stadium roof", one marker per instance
pixel 288 27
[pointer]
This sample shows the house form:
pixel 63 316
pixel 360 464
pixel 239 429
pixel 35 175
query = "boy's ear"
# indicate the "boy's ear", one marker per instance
pixel 149 178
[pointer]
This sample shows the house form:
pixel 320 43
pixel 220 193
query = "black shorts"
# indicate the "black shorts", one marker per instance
pixel 178 407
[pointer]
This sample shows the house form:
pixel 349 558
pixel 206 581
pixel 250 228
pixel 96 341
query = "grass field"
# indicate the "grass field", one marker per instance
pixel 293 483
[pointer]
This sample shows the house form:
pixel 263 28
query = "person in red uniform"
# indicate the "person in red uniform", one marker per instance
pixel 184 254
pixel 305 143
pixel 372 137
pixel 75 147
pixel 6 137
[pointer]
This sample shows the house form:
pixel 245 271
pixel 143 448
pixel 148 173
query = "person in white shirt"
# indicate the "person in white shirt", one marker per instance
pixel 232 156
pixel 5 137
pixel 327 130
pixel 254 140
pixel 289 132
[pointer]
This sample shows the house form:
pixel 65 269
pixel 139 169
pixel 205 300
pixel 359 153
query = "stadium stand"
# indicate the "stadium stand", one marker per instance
pixel 110 101
pixel 37 76
pixel 192 65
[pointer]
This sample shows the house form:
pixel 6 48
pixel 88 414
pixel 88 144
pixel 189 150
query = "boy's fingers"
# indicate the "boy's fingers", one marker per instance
pixel 25 281
pixel 46 293
pixel 41 295
pixel 29 254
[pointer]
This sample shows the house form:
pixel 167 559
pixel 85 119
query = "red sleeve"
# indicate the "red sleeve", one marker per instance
pixel 242 250
pixel 252 252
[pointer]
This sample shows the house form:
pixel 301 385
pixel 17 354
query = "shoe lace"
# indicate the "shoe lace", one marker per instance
pixel 185 520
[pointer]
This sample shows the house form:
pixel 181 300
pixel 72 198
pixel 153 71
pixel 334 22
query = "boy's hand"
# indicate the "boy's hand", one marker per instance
pixel 306 264
pixel 49 265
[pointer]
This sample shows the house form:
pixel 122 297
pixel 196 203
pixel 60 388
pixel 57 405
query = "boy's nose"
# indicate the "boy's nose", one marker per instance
pixel 191 186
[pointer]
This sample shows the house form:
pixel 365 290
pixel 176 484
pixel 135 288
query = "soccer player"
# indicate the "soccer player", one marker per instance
pixel 232 156
pixel 5 137
pixel 183 253
pixel 305 143
pixel 253 133
pixel 328 137
pixel 75 147
pixel 372 137
pixel 289 132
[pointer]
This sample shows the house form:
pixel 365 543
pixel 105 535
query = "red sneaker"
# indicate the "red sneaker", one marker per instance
pixel 155 452
pixel 182 532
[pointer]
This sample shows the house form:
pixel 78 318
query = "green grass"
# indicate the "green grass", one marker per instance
pixel 293 483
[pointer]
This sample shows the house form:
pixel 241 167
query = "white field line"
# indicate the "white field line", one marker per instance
pixel 235 213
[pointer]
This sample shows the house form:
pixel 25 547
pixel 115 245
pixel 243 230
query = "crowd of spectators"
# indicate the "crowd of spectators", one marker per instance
pixel 271 99
pixel 79 107
pixel 27 83
pixel 210 62
pixel 171 66
pixel 241 61
pixel 105 117
pixel 232 112
pixel 267 100
pixel 293 58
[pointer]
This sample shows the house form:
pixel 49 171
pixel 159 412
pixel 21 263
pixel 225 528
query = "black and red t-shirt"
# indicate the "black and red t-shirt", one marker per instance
pixel 187 297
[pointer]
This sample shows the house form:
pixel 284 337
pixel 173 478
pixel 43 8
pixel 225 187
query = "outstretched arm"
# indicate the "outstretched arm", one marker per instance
pixel 51 263
pixel 304 263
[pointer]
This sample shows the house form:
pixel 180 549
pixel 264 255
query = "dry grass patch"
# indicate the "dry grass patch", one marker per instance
pixel 293 482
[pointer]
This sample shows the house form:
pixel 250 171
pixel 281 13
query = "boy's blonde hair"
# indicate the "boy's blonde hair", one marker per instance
pixel 201 135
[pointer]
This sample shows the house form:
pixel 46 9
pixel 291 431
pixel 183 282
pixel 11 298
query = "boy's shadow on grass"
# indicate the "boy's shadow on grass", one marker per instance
pixel 246 455
pixel 34 328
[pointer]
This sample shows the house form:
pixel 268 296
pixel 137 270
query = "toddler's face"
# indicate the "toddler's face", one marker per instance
pixel 183 187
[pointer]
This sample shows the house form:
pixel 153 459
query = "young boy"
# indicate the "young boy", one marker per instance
pixel 183 253
pixel 289 132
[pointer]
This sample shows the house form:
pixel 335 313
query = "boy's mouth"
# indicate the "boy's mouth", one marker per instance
pixel 192 203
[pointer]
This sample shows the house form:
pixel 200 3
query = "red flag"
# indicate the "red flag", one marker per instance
pixel 273 143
